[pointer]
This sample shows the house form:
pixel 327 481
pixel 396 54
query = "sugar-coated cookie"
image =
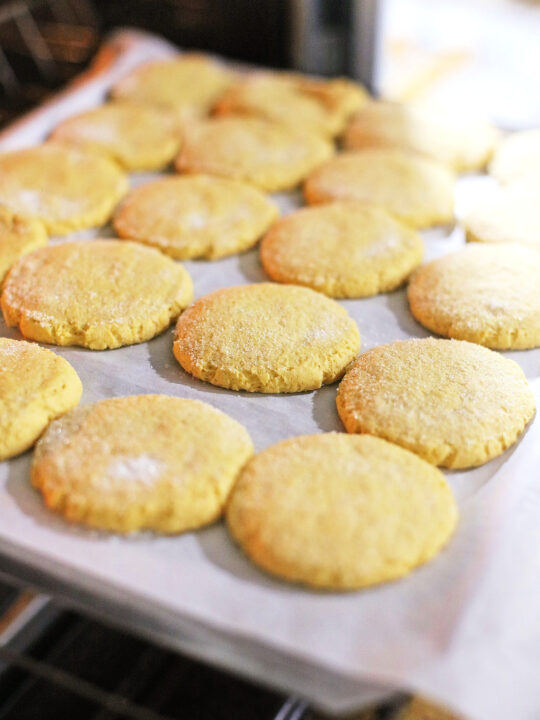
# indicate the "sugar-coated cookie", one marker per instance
pixel 266 338
pixel 195 216
pixel 454 403
pixel 36 386
pixel 319 106
pixel 509 214
pixel 141 462
pixel 343 249
pixel 461 143
pixel 98 294
pixel 138 137
pixel 186 85
pixel 487 294
pixel 63 187
pixel 340 512
pixel 420 709
pixel 415 189
pixel 19 235
pixel 269 155
pixel 517 155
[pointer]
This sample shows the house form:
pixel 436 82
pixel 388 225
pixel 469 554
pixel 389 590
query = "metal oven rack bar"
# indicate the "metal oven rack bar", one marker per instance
pixel 44 651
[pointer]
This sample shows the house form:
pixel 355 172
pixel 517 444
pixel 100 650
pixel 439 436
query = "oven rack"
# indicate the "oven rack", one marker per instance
pixel 55 662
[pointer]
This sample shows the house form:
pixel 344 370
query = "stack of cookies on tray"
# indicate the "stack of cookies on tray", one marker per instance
pixel 333 510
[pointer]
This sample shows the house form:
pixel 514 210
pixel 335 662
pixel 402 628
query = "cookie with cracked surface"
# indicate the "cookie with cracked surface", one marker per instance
pixel 186 86
pixel 416 190
pixel 454 403
pixel 36 386
pixel 319 106
pixel 144 462
pixel 460 143
pixel 136 136
pixel 340 512
pixel 98 294
pixel 266 338
pixel 65 188
pixel 487 294
pixel 517 155
pixel 505 215
pixel 343 249
pixel 19 235
pixel 271 156
pixel 195 216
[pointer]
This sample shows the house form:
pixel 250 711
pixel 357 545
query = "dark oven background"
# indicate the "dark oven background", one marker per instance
pixel 45 43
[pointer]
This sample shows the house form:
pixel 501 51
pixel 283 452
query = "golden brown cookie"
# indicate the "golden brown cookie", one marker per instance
pixel 98 294
pixel 454 403
pixel 269 155
pixel 487 294
pixel 340 512
pixel 186 85
pixel 138 137
pixel 63 187
pixel 19 235
pixel 517 155
pixel 36 386
pixel 343 249
pixel 141 462
pixel 420 709
pixel 266 338
pixel 460 143
pixel 509 214
pixel 195 216
pixel 319 106
pixel 416 190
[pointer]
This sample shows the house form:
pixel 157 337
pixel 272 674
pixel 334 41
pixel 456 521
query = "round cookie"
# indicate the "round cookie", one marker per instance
pixel 511 214
pixel 195 216
pixel 418 708
pixel 186 85
pixel 19 235
pixel 342 249
pixel 487 294
pixel 65 188
pixel 319 106
pixel 340 512
pixel 142 462
pixel 517 155
pixel 138 137
pixel 454 403
pixel 98 294
pixel 266 338
pixel 416 190
pixel 462 144
pixel 36 386
pixel 266 154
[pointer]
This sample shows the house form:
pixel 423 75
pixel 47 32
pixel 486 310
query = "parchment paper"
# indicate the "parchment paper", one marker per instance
pixel 464 629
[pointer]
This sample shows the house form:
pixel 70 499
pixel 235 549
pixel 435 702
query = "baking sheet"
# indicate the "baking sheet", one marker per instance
pixel 463 629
